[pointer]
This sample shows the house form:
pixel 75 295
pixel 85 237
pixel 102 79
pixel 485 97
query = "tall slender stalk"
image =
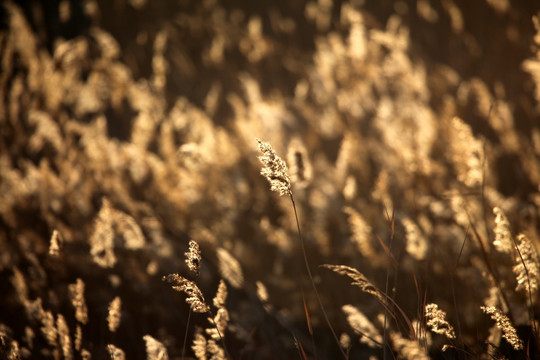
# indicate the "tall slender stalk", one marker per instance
pixel 308 269
pixel 275 171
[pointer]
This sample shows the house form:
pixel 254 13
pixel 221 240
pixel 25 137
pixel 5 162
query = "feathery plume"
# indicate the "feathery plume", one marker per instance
pixel 275 169
pixel 48 328
pixel 527 268
pixel 115 314
pixel 361 232
pixel 503 238
pixel 466 153
pixel 345 340
pixel 195 297
pixel 408 349
pixel 63 335
pixel 230 268
pixel 78 338
pixel 102 238
pixel 221 295
pixel 193 257
pixel 9 348
pixel 416 242
pixel 358 279
pixel 362 326
pixel 262 294
pixel 220 320
pixel 503 323
pixel 199 344
pixel 436 320
pixel 76 294
pixel 215 350
pixel 55 243
pixel 129 229
pixel 222 316
pixel 155 350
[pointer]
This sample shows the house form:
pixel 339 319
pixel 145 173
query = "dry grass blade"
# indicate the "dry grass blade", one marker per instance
pixel 300 349
pixel 308 320
pixel 358 280
pixel 366 286
pixel 387 252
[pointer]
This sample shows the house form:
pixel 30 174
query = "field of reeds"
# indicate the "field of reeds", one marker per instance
pixel 318 179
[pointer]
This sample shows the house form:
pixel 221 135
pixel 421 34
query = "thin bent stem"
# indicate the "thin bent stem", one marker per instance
pixel 311 277
pixel 388 267
pixel 185 335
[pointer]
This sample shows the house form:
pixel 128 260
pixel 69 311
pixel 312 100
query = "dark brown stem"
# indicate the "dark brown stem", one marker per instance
pixel 301 239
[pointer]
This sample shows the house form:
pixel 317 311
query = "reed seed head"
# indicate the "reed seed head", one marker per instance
pixel 275 169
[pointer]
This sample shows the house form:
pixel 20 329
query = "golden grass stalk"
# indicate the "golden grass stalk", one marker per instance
pixel 503 323
pixel 275 171
pixel 198 304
